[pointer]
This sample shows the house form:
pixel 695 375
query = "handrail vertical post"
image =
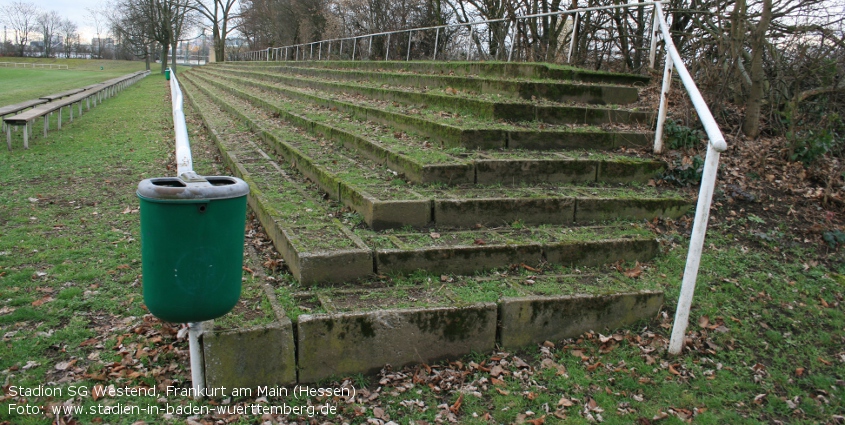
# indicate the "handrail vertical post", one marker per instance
pixel 329 51
pixel 696 244
pixel 572 41
pixel 320 52
pixel 387 53
pixel 664 105
pixel 408 56
pixel 354 47
pixel 469 44
pixel 513 39
pixel 340 52
pixel 436 42
pixel 655 30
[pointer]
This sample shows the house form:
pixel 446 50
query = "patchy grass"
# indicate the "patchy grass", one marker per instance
pixel 765 340
pixel 21 84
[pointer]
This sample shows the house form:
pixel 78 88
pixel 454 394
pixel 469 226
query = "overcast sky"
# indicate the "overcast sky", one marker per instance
pixel 75 10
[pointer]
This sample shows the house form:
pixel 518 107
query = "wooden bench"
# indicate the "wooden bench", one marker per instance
pixel 17 108
pixel 69 98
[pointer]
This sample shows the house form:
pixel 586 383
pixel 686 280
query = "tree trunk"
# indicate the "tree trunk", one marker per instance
pixel 164 47
pixel 148 52
pixel 751 125
pixel 173 56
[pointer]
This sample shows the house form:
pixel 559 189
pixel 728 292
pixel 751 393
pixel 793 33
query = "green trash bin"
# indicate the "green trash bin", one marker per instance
pixel 167 74
pixel 192 245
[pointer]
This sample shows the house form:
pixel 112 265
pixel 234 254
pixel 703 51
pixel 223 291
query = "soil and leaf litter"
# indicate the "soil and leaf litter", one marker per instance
pixel 765 342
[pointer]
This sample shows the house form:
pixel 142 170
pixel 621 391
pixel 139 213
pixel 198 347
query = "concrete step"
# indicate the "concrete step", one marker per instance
pixel 466 103
pixel 494 70
pixel 419 161
pixel 386 202
pixel 457 131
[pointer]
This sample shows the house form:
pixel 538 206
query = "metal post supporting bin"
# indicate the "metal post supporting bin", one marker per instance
pixel 192 236
pixel 167 74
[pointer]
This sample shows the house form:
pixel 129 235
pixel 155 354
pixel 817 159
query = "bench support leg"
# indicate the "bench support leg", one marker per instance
pixel 26 136
pixel 70 111
pixel 60 118
pixel 9 136
pixel 46 124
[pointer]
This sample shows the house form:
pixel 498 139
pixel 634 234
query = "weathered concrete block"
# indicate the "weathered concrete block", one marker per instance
pixel 340 344
pixel 600 252
pixel 532 320
pixel 339 266
pixel 249 358
pixel 601 209
pixel 491 171
pixel 625 171
pixel 457 260
pixel 496 211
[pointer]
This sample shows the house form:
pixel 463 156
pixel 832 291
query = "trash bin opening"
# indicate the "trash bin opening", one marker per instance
pixel 221 181
pixel 168 182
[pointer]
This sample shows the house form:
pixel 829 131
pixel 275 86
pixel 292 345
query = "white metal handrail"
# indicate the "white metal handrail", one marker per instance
pixel 185 167
pixel 715 146
pixel 184 163
pixel 672 61
pixel 272 53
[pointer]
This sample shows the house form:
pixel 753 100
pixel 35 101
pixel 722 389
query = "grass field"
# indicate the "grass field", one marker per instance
pixel 20 84
pixel 767 331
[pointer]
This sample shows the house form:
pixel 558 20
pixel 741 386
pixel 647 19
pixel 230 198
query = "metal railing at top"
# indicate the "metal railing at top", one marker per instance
pixel 275 53
pixel 32 65
pixel 672 60
pixel 184 163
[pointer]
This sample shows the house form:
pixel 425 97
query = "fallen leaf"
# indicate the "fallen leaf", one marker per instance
pixel 565 402
pixel 41 301
pixel 539 421
pixel 65 365
pixel 496 371
pixel 704 321
pixel 434 235
pixel 674 371
pixel 634 272
pixel 799 371
pixel 479 242
pixel 758 399
pixel 457 406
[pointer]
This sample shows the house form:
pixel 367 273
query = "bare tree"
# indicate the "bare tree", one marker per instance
pixel 100 21
pixel 68 30
pixel 220 13
pixel 48 25
pixel 22 17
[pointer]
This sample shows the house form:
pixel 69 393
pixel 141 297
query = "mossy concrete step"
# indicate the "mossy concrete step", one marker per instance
pixel 385 208
pixel 341 256
pixel 505 167
pixel 492 137
pixel 481 108
pixel 378 253
pixel 489 69
pixel 344 344
pixel 468 259
pixel 550 90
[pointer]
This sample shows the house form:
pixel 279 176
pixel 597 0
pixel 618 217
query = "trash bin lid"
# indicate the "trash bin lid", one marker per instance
pixel 192 187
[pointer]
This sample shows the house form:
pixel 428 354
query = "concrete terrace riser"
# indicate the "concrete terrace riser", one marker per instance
pixel 341 266
pixel 381 215
pixel 321 346
pixel 491 69
pixel 480 108
pixel 451 136
pixel 485 171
